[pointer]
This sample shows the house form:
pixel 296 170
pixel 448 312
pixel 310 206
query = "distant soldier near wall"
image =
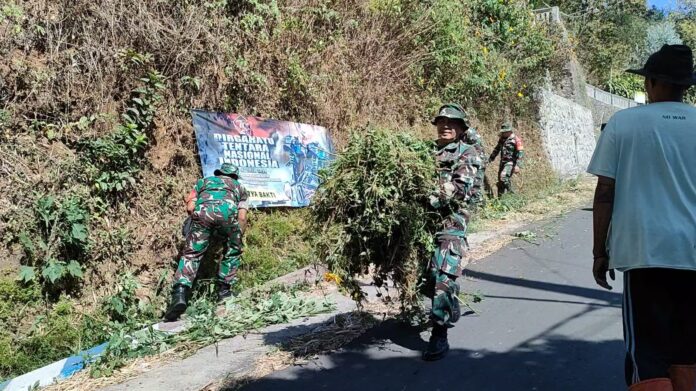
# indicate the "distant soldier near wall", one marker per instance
pixel 511 151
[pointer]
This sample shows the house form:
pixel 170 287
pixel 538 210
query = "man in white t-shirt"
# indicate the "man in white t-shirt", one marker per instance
pixel 645 223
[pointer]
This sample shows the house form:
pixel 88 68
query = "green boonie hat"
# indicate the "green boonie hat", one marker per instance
pixel 451 110
pixel 506 127
pixel 227 169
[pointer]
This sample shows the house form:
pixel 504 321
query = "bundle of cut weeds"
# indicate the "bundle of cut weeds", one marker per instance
pixel 371 212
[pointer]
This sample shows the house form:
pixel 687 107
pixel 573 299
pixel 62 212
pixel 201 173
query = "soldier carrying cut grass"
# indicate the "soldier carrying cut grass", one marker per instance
pixel 217 205
pixel 471 137
pixel 458 168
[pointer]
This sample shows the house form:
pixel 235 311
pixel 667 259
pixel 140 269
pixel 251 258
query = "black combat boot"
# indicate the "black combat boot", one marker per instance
pixel 438 345
pixel 224 291
pixel 178 304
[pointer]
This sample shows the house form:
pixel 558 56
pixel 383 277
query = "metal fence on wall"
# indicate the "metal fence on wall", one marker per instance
pixel 609 98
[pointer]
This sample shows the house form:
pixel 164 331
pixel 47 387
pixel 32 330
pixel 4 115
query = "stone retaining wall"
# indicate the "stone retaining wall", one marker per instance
pixel 568 133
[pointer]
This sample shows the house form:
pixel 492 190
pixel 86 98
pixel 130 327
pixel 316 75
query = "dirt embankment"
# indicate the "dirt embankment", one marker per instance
pixel 70 68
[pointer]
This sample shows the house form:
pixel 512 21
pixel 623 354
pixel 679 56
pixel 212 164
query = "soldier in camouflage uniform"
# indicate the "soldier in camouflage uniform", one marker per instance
pixel 472 137
pixel 217 206
pixel 511 152
pixel 458 165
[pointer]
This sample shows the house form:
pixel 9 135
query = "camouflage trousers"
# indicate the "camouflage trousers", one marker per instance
pixel 504 174
pixel 203 227
pixel 446 265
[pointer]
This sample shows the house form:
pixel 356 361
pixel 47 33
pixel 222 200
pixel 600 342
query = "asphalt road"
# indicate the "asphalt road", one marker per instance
pixel 543 325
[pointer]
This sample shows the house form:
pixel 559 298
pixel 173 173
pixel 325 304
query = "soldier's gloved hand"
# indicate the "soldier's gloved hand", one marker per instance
pixel 440 199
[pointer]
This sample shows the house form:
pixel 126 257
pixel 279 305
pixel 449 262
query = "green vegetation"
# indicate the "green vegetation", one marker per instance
pixel 33 336
pixel 97 148
pixel 274 245
pixel 253 310
pixel 613 36
pixel 123 321
pixel 42 332
pixel 506 53
pixel 60 240
pixel 373 211
pixel 497 208
pixel 54 231
pixel 112 163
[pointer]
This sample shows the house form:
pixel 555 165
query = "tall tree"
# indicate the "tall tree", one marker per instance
pixel 609 34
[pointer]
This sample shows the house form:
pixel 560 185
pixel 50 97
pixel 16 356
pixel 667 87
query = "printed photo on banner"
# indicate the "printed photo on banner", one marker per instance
pixel 278 161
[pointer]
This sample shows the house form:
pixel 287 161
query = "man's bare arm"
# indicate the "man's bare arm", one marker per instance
pixel 190 201
pixel 603 207
pixel 242 219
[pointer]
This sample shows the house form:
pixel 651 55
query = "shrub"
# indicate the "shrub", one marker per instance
pixel 55 248
pixel 274 246
pixel 372 210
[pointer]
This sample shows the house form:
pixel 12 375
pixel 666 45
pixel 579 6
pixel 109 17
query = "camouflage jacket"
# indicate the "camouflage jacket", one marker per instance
pixel 220 195
pixel 458 164
pixel 472 137
pixel 511 150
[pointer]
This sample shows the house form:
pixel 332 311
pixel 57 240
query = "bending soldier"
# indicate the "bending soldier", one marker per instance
pixel 458 166
pixel 217 205
pixel 511 152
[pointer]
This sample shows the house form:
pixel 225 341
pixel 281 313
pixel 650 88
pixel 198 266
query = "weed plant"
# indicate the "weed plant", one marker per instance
pixel 274 245
pixel 252 310
pixel 371 213
pixel 123 321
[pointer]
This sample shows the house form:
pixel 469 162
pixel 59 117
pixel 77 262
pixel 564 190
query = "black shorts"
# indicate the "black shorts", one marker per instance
pixel 659 316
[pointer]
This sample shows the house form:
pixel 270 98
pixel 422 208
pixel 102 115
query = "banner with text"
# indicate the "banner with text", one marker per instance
pixel 278 161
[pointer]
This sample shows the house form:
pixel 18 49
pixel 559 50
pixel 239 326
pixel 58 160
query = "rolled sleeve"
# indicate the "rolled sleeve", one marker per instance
pixel 606 155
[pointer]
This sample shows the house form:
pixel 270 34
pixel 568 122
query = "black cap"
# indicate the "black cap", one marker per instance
pixel 672 63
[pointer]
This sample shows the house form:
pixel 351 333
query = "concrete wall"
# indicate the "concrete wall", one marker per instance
pixel 601 112
pixel 567 132
pixel 605 104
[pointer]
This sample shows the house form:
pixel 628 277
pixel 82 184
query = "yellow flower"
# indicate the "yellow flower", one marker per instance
pixel 521 95
pixel 485 50
pixel 329 277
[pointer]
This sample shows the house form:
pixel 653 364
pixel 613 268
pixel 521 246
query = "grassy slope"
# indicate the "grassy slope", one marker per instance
pixel 68 69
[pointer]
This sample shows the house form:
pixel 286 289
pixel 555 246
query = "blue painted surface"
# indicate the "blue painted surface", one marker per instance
pixel 77 363
pixel 55 371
